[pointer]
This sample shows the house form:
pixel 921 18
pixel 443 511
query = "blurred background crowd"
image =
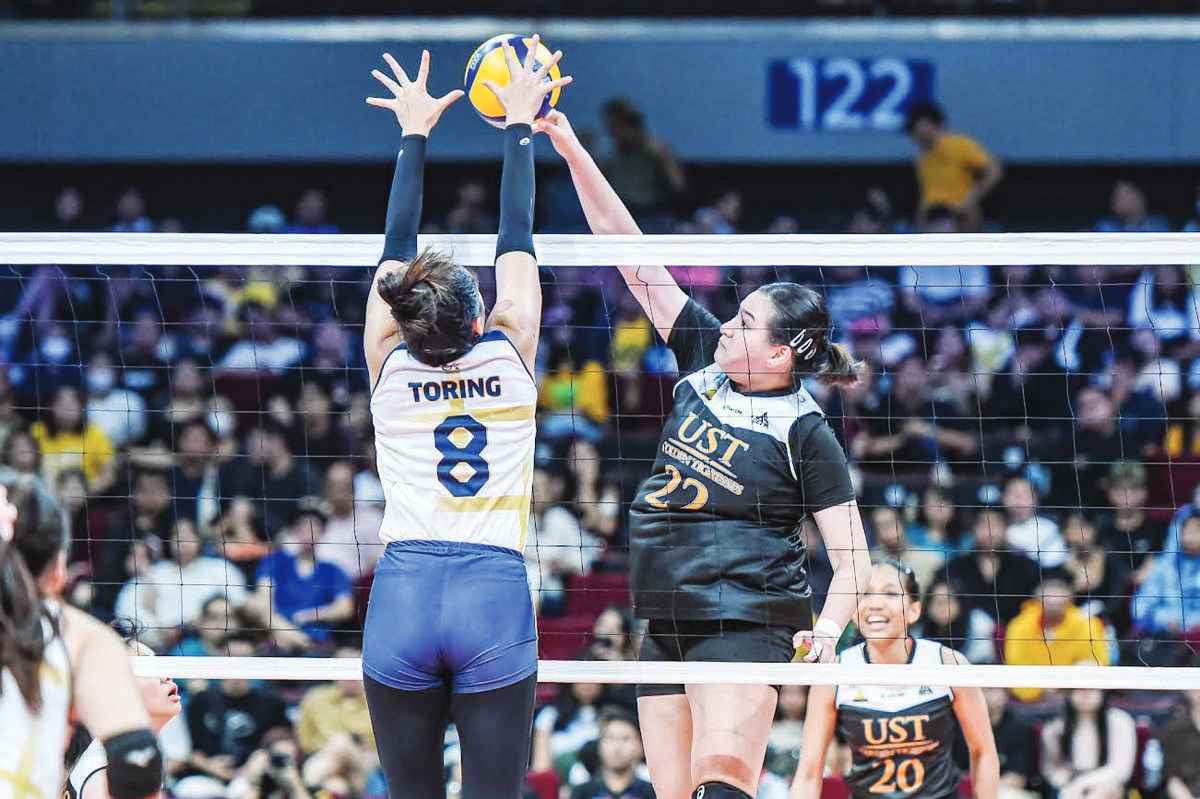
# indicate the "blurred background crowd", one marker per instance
pixel 1025 438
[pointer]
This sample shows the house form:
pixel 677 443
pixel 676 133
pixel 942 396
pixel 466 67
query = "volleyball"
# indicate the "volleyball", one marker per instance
pixel 487 63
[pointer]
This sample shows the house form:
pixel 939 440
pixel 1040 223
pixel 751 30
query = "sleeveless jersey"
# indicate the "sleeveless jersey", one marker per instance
pixel 902 738
pixel 714 530
pixel 454 445
pixel 31 746
pixel 90 763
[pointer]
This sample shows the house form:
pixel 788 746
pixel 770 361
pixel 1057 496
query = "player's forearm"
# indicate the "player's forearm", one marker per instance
pixel 404 201
pixel 842 599
pixel 605 211
pixel 985 774
pixel 806 787
pixel 516 193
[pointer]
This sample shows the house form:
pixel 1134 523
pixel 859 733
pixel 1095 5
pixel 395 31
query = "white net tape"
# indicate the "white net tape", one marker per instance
pixel 585 250
pixel 573 671
pixel 204 249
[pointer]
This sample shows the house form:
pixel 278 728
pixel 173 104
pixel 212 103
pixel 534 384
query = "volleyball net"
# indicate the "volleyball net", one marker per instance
pixel 1025 437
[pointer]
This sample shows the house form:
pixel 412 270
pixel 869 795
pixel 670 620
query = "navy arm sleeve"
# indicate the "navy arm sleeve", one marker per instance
pixel 694 338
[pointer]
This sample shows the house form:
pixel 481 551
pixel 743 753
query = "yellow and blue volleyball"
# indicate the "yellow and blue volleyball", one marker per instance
pixel 487 63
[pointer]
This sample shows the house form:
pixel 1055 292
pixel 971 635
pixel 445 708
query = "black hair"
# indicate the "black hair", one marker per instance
pixel 625 111
pixel 951 635
pixel 618 713
pixel 927 110
pixel 1071 721
pixel 51 423
pixel 11 444
pixel 568 706
pixel 908 579
pixel 941 213
pixel 38 535
pixel 435 302
pixel 802 321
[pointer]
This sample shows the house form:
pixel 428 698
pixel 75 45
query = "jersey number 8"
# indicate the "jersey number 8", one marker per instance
pixel 462 469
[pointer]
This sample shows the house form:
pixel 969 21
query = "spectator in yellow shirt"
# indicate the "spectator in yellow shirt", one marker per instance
pixel 332 709
pixel 574 393
pixel 334 731
pixel 953 170
pixel 1051 630
pixel 69 441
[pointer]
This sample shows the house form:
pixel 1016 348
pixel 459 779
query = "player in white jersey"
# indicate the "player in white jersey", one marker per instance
pixel 450 628
pixel 900 737
pixel 56 661
pixel 88 778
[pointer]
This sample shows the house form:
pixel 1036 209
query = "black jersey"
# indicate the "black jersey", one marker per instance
pixel 714 531
pixel 901 738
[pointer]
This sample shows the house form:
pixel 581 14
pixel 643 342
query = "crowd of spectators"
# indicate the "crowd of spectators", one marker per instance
pixel 1024 437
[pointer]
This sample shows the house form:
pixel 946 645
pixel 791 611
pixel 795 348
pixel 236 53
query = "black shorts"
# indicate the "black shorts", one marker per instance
pixel 721 641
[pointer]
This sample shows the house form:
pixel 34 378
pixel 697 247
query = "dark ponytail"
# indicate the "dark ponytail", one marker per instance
pixel 435 302
pixel 22 634
pixel 802 322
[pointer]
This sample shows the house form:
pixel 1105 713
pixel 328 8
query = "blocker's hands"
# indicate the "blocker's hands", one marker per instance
pixel 415 110
pixel 558 129
pixel 526 88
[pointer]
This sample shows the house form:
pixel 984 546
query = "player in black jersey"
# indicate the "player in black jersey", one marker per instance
pixel 901 738
pixel 718 564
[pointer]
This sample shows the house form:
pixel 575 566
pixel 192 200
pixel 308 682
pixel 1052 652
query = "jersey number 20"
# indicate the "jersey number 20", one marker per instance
pixel 462 469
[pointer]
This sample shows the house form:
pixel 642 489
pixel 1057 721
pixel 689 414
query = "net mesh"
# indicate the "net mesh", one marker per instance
pixel 1024 437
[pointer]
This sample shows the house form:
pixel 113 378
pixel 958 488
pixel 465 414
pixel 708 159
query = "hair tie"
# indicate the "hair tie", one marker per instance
pixel 803 344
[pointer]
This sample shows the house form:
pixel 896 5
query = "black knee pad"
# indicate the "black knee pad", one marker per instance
pixel 719 790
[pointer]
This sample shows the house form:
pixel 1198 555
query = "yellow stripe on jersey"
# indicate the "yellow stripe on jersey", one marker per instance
pixel 22 786
pixel 513 502
pixel 508 413
pixel 519 503
pixel 52 674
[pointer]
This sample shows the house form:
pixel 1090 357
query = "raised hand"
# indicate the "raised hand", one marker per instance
pixel 558 129
pixel 526 88
pixel 415 110
pixel 816 647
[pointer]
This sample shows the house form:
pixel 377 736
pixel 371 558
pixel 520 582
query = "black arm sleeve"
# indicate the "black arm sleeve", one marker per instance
pixel 135 766
pixel 820 464
pixel 694 338
pixel 404 201
pixel 516 192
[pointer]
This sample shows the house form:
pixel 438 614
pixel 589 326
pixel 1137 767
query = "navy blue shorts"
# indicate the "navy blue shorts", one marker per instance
pixel 449 613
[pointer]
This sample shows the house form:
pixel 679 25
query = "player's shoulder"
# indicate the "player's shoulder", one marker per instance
pixel 962 143
pixel 952 657
pixel 81 631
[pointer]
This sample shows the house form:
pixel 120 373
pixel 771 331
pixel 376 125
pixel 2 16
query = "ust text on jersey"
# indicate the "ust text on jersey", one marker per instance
pixel 705 449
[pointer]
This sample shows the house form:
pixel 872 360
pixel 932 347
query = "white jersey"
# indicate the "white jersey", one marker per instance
pixel 891 699
pixel 454 445
pixel 31 745
pixel 90 763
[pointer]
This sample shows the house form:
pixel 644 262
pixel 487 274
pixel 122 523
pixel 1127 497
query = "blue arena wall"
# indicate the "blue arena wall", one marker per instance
pixel 1050 91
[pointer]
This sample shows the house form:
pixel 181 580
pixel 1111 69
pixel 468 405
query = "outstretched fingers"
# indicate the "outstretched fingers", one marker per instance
pixel 399 72
pixel 449 99
pixel 391 85
pixel 510 56
pixel 544 70
pixel 531 53
pixel 423 70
